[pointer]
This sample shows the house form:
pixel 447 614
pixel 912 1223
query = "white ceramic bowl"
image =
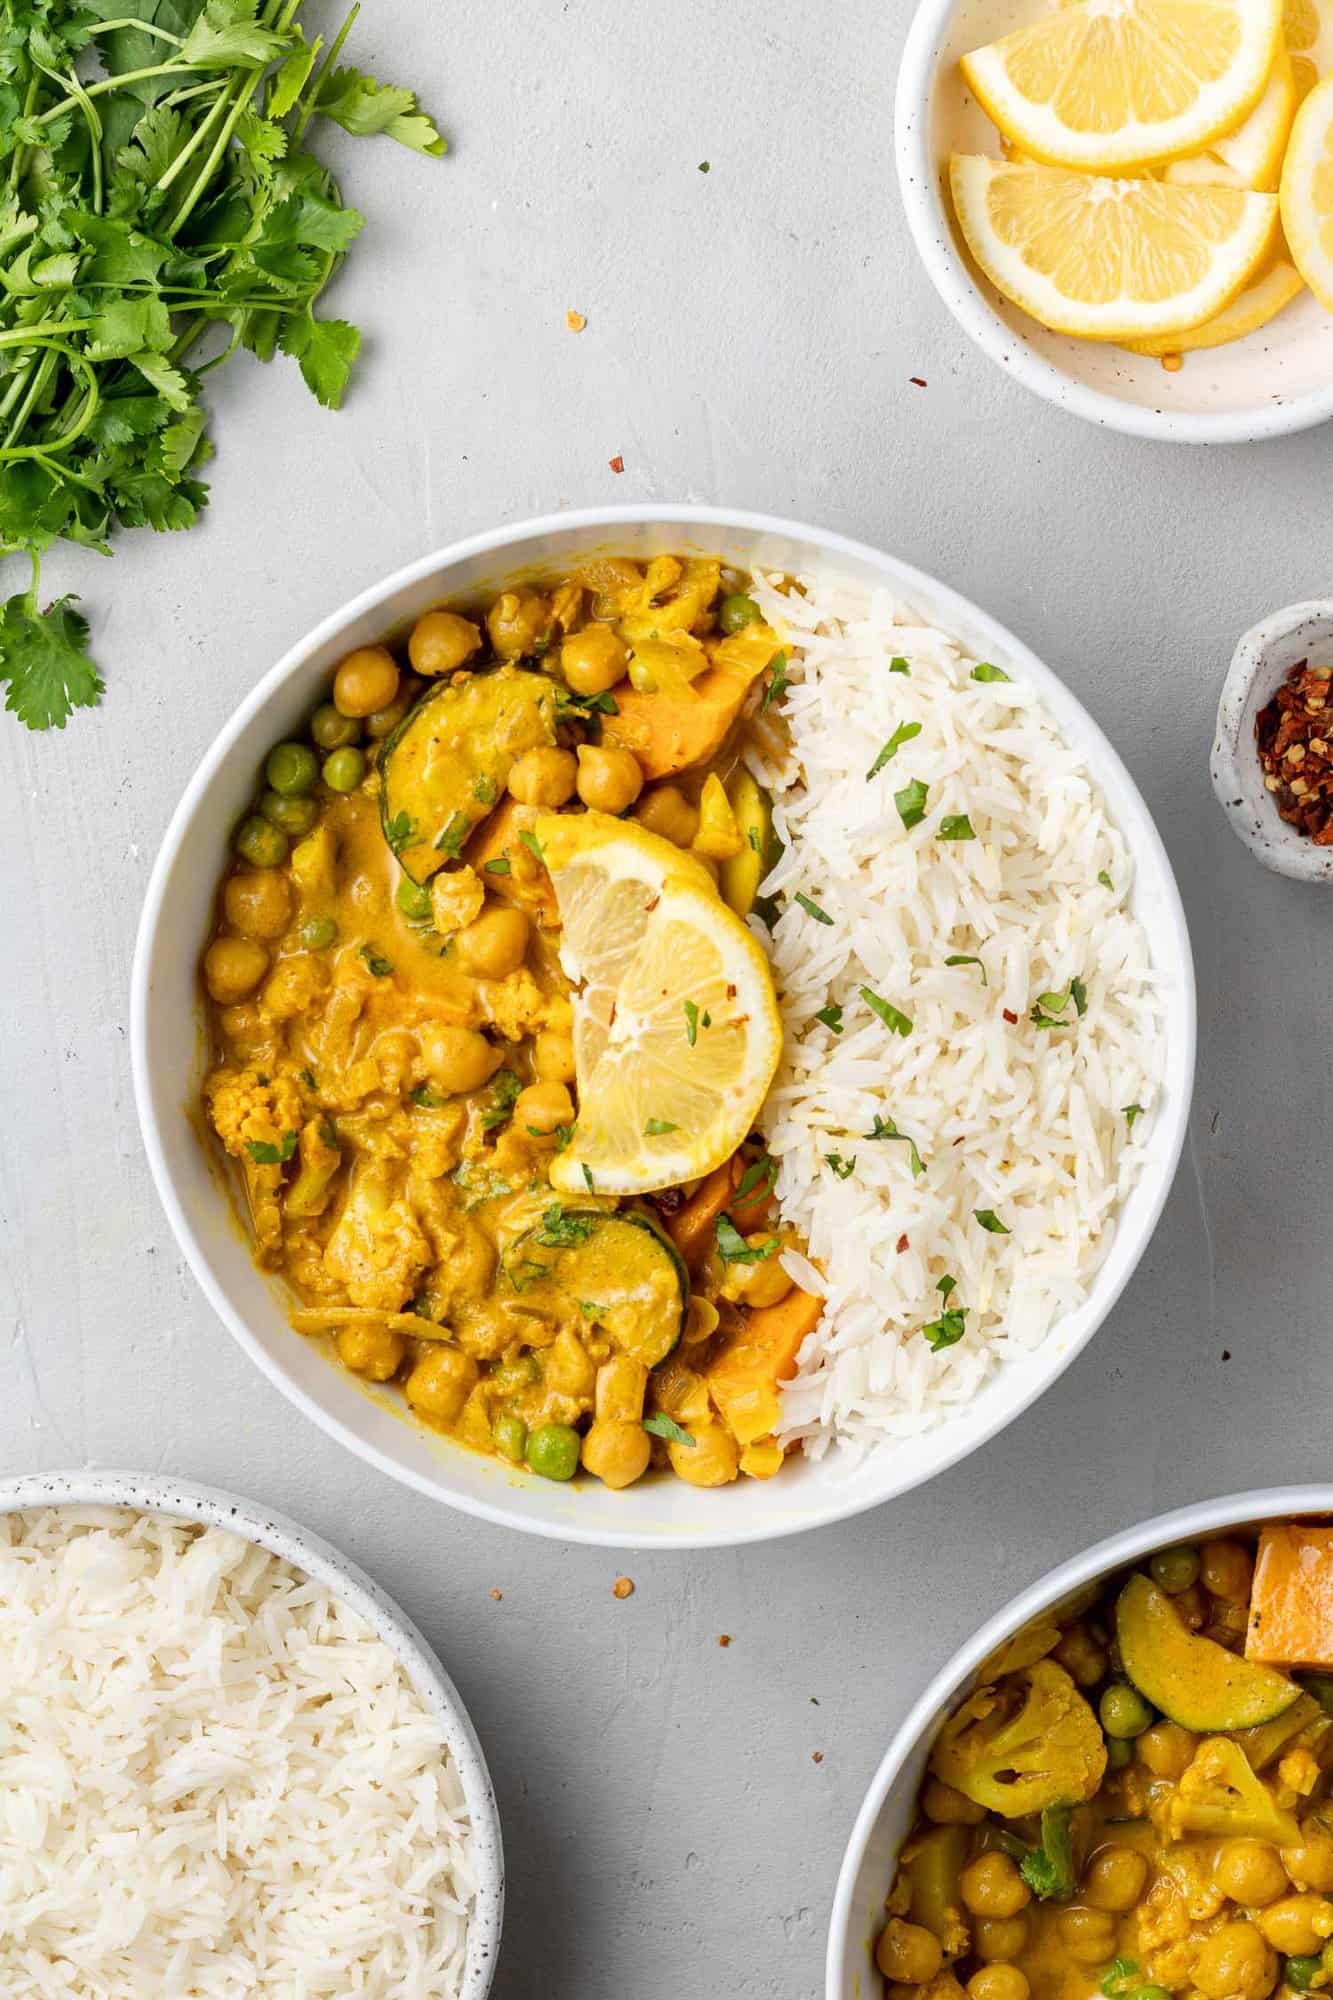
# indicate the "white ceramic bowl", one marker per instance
pixel 1276 380
pixel 167 1052
pixel 886 1816
pixel 148 1494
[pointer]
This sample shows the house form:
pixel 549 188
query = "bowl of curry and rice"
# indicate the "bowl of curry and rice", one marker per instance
pixel 694 1021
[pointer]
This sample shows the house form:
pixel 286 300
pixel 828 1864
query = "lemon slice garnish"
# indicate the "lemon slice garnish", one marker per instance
pixel 1108 84
pixel 1307 192
pixel 1109 259
pixel 676 1025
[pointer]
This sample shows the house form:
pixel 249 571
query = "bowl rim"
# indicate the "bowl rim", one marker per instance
pixel 950 606
pixel 1125 1546
pixel 1234 766
pixel 215 1507
pixel 918 183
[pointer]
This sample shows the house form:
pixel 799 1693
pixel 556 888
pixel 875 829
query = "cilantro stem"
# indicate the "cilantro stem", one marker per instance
pixel 134 21
pixel 192 144
pixel 107 83
pixel 219 147
pixel 311 91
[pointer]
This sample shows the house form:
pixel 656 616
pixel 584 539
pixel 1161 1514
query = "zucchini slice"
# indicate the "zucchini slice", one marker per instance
pixel 617 1272
pixel 1193 1680
pixel 742 874
pixel 448 761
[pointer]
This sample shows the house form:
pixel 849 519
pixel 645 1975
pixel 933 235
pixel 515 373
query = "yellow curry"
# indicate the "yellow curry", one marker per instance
pixel 394 1039
pixel 1135 1802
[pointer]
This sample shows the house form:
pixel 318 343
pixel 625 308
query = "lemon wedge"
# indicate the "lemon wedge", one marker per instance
pixel 1251 156
pixel 1108 84
pixel 676 1025
pixel 1261 301
pixel 1307 192
pixel 1109 259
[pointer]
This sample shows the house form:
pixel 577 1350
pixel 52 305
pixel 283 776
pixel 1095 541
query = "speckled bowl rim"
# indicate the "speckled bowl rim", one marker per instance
pixel 842 1967
pixel 281 1536
pixel 919 184
pixel 1234 764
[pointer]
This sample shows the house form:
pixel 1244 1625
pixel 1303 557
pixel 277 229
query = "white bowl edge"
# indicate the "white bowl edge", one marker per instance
pixel 283 1537
pixel 1023 349
pixel 658 1514
pixel 885 1814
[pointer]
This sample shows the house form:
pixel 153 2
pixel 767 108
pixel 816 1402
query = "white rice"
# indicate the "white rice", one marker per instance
pixel 214 1779
pixel 1029 1123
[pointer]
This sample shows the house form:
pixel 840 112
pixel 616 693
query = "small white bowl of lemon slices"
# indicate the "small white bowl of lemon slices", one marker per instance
pixel 1157 261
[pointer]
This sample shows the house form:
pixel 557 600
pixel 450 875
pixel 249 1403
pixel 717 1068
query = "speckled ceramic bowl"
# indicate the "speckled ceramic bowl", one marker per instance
pixel 886 1816
pixel 296 1545
pixel 1259 666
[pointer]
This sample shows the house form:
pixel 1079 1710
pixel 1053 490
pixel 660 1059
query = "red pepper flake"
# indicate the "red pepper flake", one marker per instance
pixel 816 1756
pixel 903 1245
pixel 1012 1019
pixel 1294 738
pixel 623 1587
pixel 497 1595
pixel 724 1638
pixel 917 381
pixel 617 464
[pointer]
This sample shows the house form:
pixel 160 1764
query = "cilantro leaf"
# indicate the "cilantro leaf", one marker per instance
pixel 884 1128
pixel 895 1021
pixel 662 1426
pixel 732 1247
pixel 265 1154
pixel 324 349
pixel 44 661
pixel 362 106
pixel 911 803
pixel 902 734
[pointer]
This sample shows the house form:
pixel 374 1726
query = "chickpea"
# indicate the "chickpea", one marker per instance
pixel 666 811
pixel 609 778
pixel 1193 1607
pixel 233 967
pixel 1310 1865
pixel 617 1452
pixel 998 1982
pixel 1297 1925
pixel 1250 1872
pixel 517 624
pixel 385 720
pixel 1000 1938
pixel 441 1383
pixel 712 1460
pixel 1114 1879
pixel 991 1886
pixel 761 1284
pixel 542 1108
pixel 374 1351
pixel 553 1056
pixel 1081 1657
pixel 544 777
pixel 441 641
pixel 1235 1964
pixel 947 1807
pixel 258 902
pixel 459 1059
pixel 594 659
pixel 366 680
pixel 1225 1570
pixel 241 1023
pixel 1166 1749
pixel 908 1953
pixel 570 1370
pixel 495 943
pixel 1088 1936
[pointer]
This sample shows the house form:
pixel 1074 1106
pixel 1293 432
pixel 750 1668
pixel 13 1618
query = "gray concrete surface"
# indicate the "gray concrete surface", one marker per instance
pixel 751 335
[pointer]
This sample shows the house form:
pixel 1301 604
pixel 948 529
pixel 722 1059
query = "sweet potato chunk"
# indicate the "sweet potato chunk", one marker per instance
pixel 673 733
pixel 521 878
pixel 743 1380
pixel 691 1227
pixel 1291 1604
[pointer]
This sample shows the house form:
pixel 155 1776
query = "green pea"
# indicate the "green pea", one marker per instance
pixel 736 612
pixel 1118 1754
pixel 318 933
pixel 259 843
pixel 1150 1993
pixel 291 768
pixel 1300 1972
pixel 1123 1711
pixel 295 816
pixel 412 899
pixel 511 1435
pixel 553 1451
pixel 344 770
pixel 331 729
pixel 1174 1570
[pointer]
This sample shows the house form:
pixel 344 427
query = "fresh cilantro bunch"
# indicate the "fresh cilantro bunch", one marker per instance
pixel 159 208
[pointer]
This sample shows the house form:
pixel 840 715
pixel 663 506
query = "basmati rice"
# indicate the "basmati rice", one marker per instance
pixel 1030 1124
pixel 215 1781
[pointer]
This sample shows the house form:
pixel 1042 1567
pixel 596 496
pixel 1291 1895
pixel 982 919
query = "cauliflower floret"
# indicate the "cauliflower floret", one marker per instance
pixel 293 986
pixel 1028 1742
pixel 514 1006
pixel 456 898
pixel 254 1107
pixel 321 1158
pixel 1220 1796
pixel 377 1249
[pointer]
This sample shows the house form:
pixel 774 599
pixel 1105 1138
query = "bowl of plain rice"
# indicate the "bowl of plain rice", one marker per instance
pixel 229 1765
pixel 975 1170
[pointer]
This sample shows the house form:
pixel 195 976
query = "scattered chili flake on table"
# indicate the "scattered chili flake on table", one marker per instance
pixel 724 1638
pixel 622 1587
pixel 816 1756
pixel 1295 753
pixel 917 381
pixel 617 464
pixel 497 1595
pixel 575 321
